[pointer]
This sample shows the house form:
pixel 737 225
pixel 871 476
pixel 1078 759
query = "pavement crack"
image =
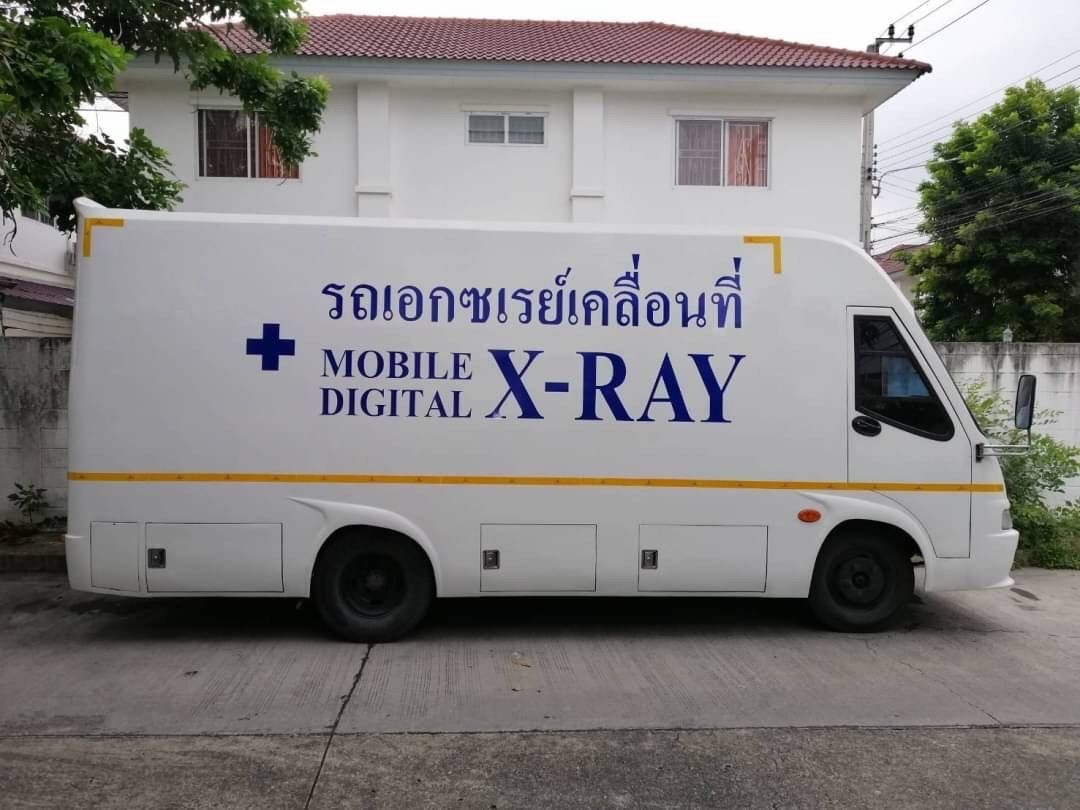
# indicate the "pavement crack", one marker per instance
pixel 948 688
pixel 337 721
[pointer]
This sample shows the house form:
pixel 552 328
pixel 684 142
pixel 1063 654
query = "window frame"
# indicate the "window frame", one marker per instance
pixel 918 362
pixel 725 120
pixel 252 148
pixel 506 115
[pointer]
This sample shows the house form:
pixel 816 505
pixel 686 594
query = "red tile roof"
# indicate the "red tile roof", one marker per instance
pixel 892 265
pixel 639 43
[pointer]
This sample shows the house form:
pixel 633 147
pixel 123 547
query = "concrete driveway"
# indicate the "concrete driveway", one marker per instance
pixel 682 702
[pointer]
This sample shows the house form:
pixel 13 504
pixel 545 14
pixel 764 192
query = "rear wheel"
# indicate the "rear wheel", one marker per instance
pixel 371 586
pixel 861 579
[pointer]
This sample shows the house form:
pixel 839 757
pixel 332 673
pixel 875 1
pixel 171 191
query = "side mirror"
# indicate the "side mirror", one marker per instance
pixel 1025 402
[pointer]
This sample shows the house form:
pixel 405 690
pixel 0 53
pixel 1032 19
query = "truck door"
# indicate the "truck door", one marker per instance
pixel 904 439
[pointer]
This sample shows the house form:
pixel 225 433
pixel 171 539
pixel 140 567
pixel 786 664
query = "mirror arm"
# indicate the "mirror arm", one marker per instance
pixel 983 450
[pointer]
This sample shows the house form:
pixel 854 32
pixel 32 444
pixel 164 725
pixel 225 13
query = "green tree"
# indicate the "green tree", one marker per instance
pixel 1002 208
pixel 59 55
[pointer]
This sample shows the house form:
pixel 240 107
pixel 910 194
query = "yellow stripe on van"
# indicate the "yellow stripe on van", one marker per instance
pixel 777 257
pixel 518 481
pixel 88 226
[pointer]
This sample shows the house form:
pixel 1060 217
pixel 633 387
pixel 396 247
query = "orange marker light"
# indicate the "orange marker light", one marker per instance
pixel 809 515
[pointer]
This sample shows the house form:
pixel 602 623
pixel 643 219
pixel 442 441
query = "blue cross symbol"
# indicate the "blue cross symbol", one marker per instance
pixel 271 347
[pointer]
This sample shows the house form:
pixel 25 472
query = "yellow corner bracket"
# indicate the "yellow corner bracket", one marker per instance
pixel 777 257
pixel 88 225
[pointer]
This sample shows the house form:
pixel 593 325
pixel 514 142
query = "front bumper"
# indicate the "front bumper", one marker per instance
pixel 988 566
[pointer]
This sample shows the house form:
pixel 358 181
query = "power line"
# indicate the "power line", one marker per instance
pixel 904 192
pixel 946 26
pixel 913 152
pixel 1041 211
pixel 995 186
pixel 929 136
pixel 900 19
pixel 980 98
pixel 931 12
pixel 898 210
pixel 996 208
pixel 1007 207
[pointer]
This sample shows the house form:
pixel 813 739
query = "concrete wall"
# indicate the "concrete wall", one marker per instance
pixel 33 418
pixel 399 149
pixel 34 375
pixel 1056 365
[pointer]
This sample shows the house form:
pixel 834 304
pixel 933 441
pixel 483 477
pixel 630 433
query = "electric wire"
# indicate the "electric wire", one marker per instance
pixel 996 224
pixel 1030 75
pixel 958 219
pixel 944 27
pixel 999 183
pixel 914 152
pixel 929 137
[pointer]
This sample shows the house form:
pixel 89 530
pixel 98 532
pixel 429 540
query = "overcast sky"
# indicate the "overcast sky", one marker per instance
pixel 999 42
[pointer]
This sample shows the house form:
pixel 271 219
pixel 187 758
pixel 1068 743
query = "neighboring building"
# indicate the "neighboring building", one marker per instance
pixel 36 282
pixel 547 121
pixel 897 270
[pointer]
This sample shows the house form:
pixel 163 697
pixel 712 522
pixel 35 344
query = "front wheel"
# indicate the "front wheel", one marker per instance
pixel 372 586
pixel 860 581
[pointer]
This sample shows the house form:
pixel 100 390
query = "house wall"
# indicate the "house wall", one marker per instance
pixel 400 149
pixel 814 164
pixel 167 111
pixel 437 174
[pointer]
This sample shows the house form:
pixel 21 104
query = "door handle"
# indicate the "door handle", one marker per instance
pixel 866 426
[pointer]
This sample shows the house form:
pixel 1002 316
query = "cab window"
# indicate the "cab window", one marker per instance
pixel 890 385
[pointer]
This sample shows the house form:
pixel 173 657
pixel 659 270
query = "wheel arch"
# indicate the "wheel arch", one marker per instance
pixel 339 518
pixel 852 512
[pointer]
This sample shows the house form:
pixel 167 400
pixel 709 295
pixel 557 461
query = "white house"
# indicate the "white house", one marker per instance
pixel 549 121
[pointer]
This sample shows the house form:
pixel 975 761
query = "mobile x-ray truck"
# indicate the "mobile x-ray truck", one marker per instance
pixel 378 413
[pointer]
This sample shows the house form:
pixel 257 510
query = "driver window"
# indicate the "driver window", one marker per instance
pixel 890 385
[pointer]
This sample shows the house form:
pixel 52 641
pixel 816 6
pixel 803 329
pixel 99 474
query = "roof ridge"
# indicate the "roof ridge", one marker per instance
pixel 884 57
pixel 598 41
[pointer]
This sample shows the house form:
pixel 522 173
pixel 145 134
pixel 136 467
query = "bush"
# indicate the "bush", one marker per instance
pixel 1049 535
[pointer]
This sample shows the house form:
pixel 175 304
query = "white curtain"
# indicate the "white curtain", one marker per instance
pixel 700 153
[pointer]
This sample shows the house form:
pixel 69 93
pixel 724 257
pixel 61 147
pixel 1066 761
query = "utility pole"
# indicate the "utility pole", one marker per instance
pixel 869 148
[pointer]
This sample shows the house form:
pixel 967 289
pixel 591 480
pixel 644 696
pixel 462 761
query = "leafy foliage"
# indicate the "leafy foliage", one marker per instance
pixel 57 55
pixel 1002 207
pixel 1049 535
pixel 29 500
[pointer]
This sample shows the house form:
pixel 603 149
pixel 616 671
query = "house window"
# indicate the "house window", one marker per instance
pixel 520 129
pixel 233 143
pixel 719 152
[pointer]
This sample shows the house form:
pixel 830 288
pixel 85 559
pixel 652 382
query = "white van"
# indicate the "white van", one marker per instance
pixel 375 413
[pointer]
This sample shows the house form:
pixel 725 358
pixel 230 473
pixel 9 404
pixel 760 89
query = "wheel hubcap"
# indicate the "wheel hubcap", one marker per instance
pixel 373 585
pixel 859 580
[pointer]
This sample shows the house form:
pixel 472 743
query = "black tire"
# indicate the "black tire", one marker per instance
pixel 372 585
pixel 861 579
